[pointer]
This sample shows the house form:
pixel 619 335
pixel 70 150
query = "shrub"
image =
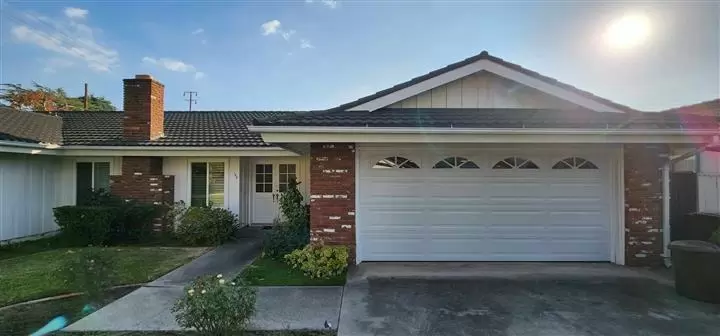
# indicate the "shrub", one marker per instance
pixel 133 222
pixel 206 226
pixel 88 270
pixel 294 232
pixel 715 237
pixel 85 225
pixel 285 238
pixel 319 261
pixel 214 306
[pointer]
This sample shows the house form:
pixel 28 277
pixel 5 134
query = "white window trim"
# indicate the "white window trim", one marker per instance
pixel 92 170
pixel 207 184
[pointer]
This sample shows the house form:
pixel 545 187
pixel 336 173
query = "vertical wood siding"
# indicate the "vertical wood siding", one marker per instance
pixel 483 90
pixel 27 195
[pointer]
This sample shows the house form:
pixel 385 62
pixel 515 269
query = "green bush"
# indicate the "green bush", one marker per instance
pixel 319 261
pixel 293 232
pixel 86 225
pixel 206 226
pixel 133 223
pixel 215 307
pixel 715 238
pixel 89 270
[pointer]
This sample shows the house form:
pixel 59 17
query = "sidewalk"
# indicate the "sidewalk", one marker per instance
pixel 278 308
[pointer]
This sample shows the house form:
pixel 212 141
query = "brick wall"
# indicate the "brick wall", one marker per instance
pixel 643 203
pixel 332 194
pixel 142 180
pixel 144 106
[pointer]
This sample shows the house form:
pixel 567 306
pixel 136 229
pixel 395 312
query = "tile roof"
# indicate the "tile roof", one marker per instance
pixel 489 118
pixel 30 127
pixel 710 107
pixel 486 56
pixel 197 128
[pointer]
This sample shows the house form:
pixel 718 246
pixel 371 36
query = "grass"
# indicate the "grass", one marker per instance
pixel 23 320
pixel 37 275
pixel 269 272
pixel 249 333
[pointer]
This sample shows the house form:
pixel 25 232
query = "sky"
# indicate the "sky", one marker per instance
pixel 317 54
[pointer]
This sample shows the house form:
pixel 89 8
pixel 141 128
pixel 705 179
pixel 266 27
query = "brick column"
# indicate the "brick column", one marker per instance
pixel 142 180
pixel 332 194
pixel 643 203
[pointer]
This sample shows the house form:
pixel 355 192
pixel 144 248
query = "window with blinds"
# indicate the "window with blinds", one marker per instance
pixel 89 177
pixel 207 184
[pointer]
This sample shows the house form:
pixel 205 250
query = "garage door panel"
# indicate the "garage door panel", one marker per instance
pixel 483 214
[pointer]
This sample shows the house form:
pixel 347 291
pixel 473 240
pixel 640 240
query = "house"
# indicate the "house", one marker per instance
pixel 705 164
pixel 482 160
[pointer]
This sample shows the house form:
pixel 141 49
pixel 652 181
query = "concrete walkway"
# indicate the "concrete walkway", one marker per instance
pixel 278 308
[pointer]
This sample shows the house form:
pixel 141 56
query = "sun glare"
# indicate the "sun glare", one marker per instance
pixel 627 32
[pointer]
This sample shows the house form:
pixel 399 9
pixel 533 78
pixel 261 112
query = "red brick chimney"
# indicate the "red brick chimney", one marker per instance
pixel 144 105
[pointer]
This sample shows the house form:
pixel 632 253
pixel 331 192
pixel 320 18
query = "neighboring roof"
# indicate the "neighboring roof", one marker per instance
pixel 30 127
pixel 197 128
pixel 481 56
pixel 489 118
pixel 706 108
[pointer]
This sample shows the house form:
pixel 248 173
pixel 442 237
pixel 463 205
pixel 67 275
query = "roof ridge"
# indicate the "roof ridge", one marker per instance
pixel 482 55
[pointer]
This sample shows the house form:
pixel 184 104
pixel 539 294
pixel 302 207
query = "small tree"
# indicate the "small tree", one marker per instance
pixel 292 205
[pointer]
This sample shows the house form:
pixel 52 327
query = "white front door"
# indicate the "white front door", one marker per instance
pixel 271 179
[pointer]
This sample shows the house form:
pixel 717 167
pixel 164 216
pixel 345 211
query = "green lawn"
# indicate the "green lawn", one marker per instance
pixel 249 333
pixel 269 272
pixel 23 320
pixel 34 275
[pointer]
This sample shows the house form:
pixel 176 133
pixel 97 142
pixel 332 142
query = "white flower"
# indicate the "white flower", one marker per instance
pixel 203 291
pixel 232 284
pixel 191 291
pixel 219 276
pixel 221 281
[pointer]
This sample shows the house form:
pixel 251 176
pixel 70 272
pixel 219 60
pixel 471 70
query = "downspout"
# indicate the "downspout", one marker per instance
pixel 666 212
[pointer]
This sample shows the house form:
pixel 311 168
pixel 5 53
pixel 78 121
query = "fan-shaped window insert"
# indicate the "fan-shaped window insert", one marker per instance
pixel 395 162
pixel 515 162
pixel 574 162
pixel 455 162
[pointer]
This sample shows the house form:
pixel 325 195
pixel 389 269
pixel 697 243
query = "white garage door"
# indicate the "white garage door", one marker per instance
pixel 427 203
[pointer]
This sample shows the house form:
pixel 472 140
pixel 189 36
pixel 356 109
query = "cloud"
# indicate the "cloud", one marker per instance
pixel 66 38
pixel 270 27
pixel 76 13
pixel 173 65
pixel 170 64
pixel 330 3
pixel 305 44
pixel 287 34
pixel 197 31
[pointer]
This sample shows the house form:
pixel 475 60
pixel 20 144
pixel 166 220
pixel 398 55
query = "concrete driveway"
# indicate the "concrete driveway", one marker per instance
pixel 595 299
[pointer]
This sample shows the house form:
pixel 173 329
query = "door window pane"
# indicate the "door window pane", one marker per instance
pixel 263 178
pixel 198 184
pixel 83 182
pixel 287 173
pixel 102 176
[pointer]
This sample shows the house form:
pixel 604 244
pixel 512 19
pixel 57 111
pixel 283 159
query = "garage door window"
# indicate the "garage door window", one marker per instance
pixel 395 162
pixel 574 163
pixel 515 162
pixel 455 162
